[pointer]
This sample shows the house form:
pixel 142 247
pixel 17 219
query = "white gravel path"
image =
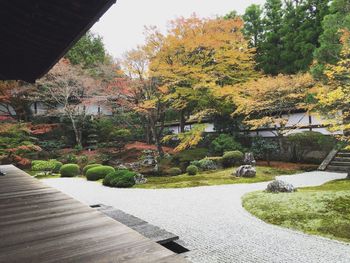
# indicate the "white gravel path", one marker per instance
pixel 212 222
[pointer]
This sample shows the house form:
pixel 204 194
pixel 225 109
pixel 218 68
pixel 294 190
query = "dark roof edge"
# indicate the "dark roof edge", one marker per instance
pixel 78 36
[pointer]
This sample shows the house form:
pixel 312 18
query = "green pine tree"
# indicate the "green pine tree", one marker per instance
pixel 330 46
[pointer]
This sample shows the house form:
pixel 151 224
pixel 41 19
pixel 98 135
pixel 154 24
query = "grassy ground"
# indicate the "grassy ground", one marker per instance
pixel 42 176
pixel 213 178
pixel 322 210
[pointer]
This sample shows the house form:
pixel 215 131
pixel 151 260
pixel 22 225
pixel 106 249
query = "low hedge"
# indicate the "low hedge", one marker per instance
pixel 52 166
pixel 192 170
pixel 120 179
pixel 99 172
pixel 174 171
pixel 69 170
pixel 232 158
pixel 87 167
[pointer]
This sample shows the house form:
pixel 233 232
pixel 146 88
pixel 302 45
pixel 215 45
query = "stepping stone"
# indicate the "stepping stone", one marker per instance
pixel 146 229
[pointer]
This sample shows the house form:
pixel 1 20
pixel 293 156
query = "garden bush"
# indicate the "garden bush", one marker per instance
pixel 120 179
pixel 192 170
pixel 69 158
pixel 39 165
pixel 51 166
pixel 99 172
pixel 87 167
pixel 51 145
pixel 304 142
pixel 174 171
pixel 205 164
pixel 232 158
pixel 224 143
pixel 263 148
pixel 191 155
pixel 216 159
pixel 69 170
pixel 56 165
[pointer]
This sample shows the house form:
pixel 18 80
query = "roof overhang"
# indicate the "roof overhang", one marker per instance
pixel 37 33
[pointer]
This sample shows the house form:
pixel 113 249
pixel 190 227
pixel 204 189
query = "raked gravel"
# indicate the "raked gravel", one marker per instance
pixel 212 223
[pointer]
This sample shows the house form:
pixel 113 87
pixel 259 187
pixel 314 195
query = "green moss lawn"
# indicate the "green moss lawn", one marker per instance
pixel 42 176
pixel 219 177
pixel 322 210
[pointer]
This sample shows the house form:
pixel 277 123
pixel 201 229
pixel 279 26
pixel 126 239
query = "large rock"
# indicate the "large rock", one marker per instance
pixel 149 159
pixel 279 186
pixel 245 171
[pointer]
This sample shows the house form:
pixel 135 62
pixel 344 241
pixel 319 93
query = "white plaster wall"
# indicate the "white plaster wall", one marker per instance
pixel 299 119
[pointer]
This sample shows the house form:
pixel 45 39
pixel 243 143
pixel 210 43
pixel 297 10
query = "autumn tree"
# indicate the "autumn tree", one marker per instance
pixel 269 101
pixel 143 93
pixel 188 139
pixel 68 92
pixel 16 98
pixel 334 94
pixel 198 55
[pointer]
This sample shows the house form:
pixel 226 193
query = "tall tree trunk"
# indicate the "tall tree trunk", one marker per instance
pixel 159 148
pixel 156 136
pixel 148 135
pixel 182 121
pixel 76 133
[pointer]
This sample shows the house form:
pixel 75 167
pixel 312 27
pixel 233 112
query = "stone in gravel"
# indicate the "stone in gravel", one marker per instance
pixel 140 179
pixel 245 171
pixel 279 186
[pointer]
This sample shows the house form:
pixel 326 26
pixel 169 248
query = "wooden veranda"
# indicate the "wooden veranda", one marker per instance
pixel 41 224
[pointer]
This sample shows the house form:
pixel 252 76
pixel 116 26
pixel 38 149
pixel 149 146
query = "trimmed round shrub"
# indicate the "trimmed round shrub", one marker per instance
pixel 39 165
pixel 120 179
pixel 192 170
pixel 99 172
pixel 232 158
pixel 69 170
pixel 56 165
pixel 207 165
pixel 87 167
pixel 175 171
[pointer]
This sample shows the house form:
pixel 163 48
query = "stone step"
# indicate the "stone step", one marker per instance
pixel 340 163
pixel 342 159
pixel 343 154
pixel 334 168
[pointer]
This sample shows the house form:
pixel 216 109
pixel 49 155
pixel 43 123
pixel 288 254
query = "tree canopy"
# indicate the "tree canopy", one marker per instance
pixel 88 52
pixel 285 33
pixel 330 46
pixel 334 93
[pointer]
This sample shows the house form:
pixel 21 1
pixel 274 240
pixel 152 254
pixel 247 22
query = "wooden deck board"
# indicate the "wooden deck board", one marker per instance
pixel 41 224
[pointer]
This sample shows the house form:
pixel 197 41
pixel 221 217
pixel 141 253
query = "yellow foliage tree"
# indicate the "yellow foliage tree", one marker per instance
pixel 269 101
pixel 198 55
pixel 334 94
pixel 187 139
